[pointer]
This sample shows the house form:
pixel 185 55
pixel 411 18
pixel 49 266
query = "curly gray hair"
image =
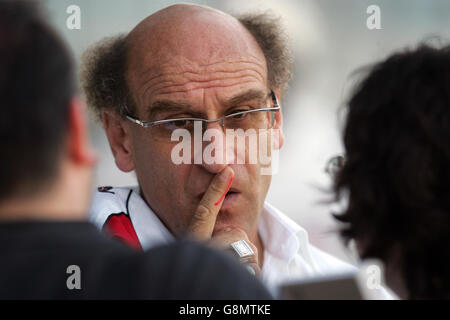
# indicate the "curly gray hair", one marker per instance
pixel 104 64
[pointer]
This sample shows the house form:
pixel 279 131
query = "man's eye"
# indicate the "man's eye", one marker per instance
pixel 178 124
pixel 239 115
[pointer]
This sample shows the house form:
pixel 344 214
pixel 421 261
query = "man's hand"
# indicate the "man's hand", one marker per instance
pixel 223 239
pixel 202 224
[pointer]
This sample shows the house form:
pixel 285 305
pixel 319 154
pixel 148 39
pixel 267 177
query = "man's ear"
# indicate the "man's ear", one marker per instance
pixel 79 150
pixel 278 123
pixel 119 139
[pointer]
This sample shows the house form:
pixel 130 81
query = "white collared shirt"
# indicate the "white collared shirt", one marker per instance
pixel 288 254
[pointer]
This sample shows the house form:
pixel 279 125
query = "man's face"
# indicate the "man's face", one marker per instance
pixel 203 77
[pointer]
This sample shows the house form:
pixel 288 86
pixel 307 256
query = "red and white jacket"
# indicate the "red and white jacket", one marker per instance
pixel 121 213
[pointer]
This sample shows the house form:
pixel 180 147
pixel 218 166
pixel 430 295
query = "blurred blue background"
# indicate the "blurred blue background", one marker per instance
pixel 330 40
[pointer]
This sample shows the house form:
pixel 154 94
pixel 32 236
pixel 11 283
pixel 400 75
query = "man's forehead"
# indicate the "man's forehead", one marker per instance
pixel 188 34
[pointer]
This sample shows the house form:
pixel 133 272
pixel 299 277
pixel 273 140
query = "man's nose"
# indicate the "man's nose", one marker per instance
pixel 214 157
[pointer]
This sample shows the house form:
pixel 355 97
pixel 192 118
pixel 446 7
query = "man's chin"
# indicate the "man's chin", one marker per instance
pixel 222 225
pixel 228 219
pixel 233 213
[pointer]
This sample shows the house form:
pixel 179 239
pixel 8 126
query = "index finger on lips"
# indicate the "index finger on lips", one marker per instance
pixel 204 219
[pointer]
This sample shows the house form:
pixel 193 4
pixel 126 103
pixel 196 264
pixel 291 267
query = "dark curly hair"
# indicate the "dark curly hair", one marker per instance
pixel 397 168
pixel 104 64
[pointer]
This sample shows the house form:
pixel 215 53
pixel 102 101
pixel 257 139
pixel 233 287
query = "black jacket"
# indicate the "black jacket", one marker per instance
pixel 35 260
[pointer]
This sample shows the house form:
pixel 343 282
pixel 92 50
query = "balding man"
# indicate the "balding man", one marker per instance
pixel 47 248
pixel 188 69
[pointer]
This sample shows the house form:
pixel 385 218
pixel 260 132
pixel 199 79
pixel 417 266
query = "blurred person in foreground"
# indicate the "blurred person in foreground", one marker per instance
pixel 183 66
pixel 397 171
pixel 45 183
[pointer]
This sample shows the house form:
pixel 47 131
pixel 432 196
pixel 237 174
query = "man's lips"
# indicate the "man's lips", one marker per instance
pixel 229 201
pixel 232 191
pixel 230 198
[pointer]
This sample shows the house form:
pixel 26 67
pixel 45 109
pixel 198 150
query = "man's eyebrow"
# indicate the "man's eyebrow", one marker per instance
pixel 162 106
pixel 249 95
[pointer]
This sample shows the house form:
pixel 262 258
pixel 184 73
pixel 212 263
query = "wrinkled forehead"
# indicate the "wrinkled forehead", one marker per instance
pixel 201 37
pixel 194 39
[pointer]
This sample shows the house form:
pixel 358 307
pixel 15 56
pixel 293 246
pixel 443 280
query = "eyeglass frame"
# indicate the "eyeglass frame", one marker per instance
pixel 149 124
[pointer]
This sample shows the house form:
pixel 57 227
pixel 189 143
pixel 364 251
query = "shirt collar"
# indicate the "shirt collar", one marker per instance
pixel 149 228
pixel 282 237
